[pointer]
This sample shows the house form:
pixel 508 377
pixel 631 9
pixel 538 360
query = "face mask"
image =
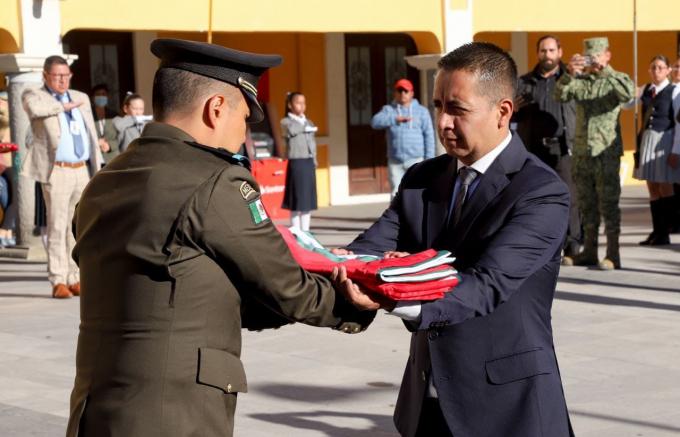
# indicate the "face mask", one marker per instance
pixel 101 101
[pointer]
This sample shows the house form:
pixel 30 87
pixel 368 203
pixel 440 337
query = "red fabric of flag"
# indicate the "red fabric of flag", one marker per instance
pixel 366 274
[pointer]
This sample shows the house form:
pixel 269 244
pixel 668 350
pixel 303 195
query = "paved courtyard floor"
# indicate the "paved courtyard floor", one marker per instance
pixel 617 336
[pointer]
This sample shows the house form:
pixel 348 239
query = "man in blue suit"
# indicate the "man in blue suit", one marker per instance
pixel 482 360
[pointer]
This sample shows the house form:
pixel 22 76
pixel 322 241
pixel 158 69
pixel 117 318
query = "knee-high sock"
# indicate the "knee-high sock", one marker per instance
pixel 305 218
pixel 295 219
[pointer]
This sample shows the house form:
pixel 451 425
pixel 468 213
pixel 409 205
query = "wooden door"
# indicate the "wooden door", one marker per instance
pixel 103 57
pixel 373 62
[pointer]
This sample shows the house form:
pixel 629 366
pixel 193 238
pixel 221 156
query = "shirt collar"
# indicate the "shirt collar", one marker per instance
pixel 661 86
pixel 483 163
pixel 56 94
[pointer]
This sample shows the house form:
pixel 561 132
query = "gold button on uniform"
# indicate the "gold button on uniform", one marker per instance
pixel 228 388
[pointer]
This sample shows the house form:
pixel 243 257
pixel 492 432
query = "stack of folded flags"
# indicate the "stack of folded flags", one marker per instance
pixel 424 275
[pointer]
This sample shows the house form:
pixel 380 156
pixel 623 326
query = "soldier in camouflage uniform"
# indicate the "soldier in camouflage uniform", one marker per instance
pixel 599 91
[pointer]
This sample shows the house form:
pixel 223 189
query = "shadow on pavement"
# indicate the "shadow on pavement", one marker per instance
pixel 604 300
pixel 651 272
pixel 380 425
pixel 644 423
pixel 39 296
pixel 315 394
pixel 355 229
pixel 23 278
pixel 347 219
pixel 618 284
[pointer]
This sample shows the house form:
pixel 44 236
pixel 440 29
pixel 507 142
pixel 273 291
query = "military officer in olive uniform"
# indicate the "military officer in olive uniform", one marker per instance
pixel 599 92
pixel 177 254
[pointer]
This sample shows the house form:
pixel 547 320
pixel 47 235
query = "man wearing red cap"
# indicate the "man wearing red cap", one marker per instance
pixel 410 137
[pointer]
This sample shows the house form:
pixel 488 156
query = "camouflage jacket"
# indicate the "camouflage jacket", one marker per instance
pixel 598 99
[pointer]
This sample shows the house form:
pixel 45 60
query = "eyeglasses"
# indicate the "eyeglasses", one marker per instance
pixel 61 76
pixel 402 90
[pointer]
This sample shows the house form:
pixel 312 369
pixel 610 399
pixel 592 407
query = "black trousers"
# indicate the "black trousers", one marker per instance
pixel 563 170
pixel 432 422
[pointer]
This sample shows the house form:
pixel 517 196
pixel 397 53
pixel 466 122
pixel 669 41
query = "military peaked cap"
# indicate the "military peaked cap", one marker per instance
pixel 240 69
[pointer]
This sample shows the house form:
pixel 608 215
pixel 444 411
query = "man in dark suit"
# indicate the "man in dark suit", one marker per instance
pixel 482 360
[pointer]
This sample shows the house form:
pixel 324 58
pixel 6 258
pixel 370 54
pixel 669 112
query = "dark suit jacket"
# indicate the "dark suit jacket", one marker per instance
pixel 490 340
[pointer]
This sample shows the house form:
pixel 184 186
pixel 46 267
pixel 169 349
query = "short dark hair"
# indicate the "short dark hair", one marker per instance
pixel 100 87
pixel 495 69
pixel 544 37
pixel 661 58
pixel 178 91
pixel 53 60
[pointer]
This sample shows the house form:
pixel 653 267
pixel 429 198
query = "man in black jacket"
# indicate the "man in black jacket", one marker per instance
pixel 546 125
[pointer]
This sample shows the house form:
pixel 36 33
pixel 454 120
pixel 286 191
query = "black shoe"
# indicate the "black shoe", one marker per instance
pixel 660 240
pixel 648 241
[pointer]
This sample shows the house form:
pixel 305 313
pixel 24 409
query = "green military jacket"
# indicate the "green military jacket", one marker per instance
pixel 176 256
pixel 598 104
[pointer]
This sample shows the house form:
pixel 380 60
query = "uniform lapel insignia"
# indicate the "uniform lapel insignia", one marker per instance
pixel 247 190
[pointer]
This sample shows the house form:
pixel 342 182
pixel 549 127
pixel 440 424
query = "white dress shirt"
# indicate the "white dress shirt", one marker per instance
pixel 410 310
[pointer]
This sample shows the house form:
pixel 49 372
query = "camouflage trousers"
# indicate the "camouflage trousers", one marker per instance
pixel 598 187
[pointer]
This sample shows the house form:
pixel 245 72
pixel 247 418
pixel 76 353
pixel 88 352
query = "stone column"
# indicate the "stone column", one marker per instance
pixel 23 188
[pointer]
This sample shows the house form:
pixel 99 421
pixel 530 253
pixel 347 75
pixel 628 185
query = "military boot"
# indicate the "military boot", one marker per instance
pixel 588 257
pixel 612 260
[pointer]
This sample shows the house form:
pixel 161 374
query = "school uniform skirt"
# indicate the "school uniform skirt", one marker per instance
pixel 655 147
pixel 300 193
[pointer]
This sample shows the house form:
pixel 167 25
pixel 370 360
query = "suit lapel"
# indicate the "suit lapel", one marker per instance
pixel 438 201
pixel 494 180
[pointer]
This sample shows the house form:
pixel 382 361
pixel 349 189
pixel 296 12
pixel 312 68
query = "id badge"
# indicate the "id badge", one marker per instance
pixel 75 128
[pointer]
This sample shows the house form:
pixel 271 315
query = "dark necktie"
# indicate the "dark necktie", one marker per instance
pixel 653 92
pixel 466 175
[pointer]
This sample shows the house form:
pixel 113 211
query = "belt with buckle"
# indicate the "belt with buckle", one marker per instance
pixel 64 164
pixel 549 140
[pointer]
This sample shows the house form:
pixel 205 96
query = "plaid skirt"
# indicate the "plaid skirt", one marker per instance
pixel 655 147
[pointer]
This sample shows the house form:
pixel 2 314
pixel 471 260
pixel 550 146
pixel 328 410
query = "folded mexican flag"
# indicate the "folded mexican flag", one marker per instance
pixel 424 275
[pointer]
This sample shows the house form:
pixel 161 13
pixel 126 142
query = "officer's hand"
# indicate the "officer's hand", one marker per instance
pixel 674 160
pixel 351 291
pixel 70 105
pixel 575 65
pixel 395 254
pixel 340 251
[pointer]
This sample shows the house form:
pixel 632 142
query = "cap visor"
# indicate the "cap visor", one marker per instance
pixel 256 112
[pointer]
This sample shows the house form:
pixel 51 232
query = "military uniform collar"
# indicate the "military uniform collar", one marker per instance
pixel 157 129
pixel 233 158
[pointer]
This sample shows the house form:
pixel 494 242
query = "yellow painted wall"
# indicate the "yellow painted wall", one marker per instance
pixel 260 16
pixel 302 69
pixel 10 26
pixel 501 39
pixel 323 176
pixel 574 15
